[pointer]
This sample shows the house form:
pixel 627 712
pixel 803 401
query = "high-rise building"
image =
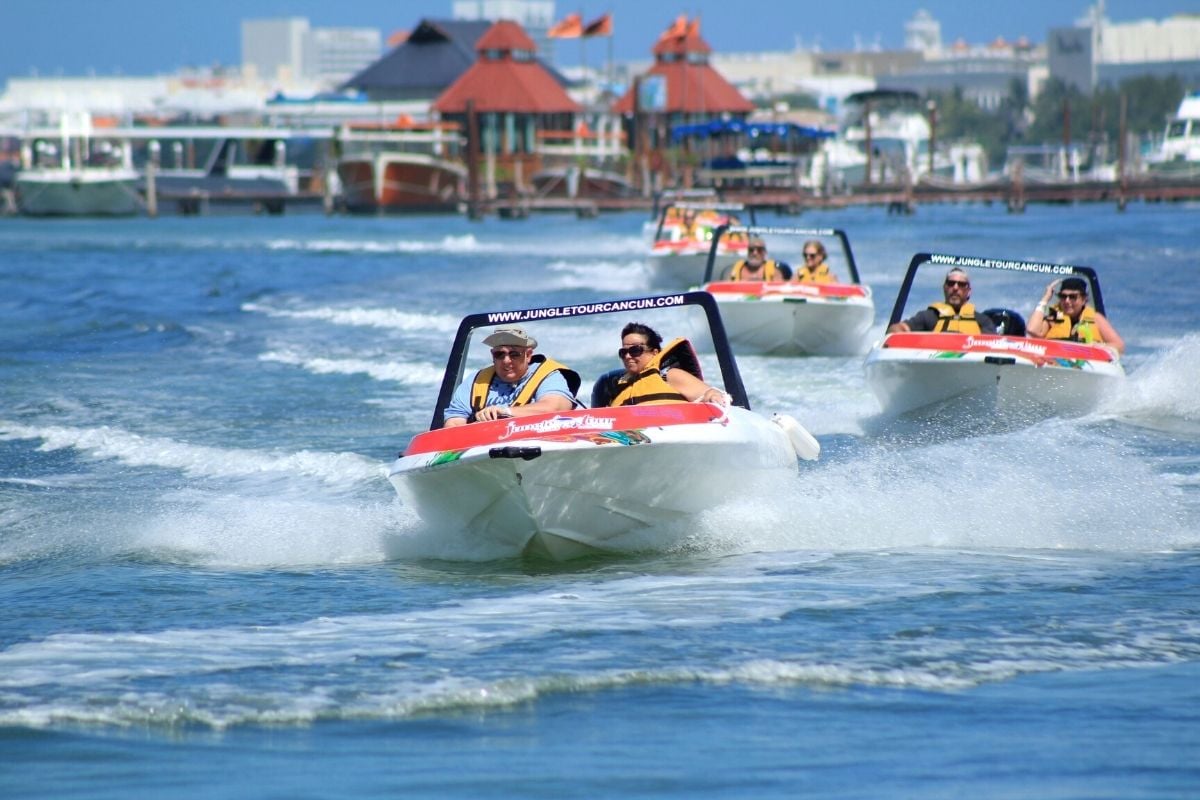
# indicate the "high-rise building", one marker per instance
pixel 289 50
pixel 275 47
pixel 1097 51
pixel 535 16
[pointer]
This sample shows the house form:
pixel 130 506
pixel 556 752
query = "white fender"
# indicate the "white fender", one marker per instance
pixel 803 442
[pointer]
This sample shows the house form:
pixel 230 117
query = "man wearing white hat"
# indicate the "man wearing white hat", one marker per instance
pixel 518 384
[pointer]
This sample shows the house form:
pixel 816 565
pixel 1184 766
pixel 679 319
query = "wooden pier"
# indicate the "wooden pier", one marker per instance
pixel 1014 196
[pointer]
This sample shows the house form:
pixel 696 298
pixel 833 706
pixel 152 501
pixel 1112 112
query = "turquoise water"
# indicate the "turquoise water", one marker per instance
pixel 209 588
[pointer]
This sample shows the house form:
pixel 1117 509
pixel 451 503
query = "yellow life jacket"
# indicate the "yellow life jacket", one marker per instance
pixel 544 368
pixel 649 386
pixel 818 274
pixel 1086 330
pixel 950 322
pixel 770 272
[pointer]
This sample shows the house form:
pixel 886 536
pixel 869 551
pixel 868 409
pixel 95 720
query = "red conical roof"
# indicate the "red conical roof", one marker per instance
pixel 505 35
pixel 498 82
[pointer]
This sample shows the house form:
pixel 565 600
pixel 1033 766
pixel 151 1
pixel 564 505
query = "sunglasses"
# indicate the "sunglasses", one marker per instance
pixel 515 355
pixel 1070 296
pixel 633 352
pixel 756 249
pixel 963 284
pixel 812 255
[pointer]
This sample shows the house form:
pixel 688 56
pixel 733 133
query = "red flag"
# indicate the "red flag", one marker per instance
pixel 678 28
pixel 600 26
pixel 571 27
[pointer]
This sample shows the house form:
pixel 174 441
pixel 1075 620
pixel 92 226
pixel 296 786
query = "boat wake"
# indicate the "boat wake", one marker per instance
pixel 1162 391
pixel 387 318
pixel 399 372
pixel 133 449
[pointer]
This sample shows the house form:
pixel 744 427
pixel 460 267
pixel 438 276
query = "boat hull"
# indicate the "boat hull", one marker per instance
pixel 77 193
pixel 674 266
pixel 922 373
pixel 795 319
pixel 400 183
pixel 574 182
pixel 602 480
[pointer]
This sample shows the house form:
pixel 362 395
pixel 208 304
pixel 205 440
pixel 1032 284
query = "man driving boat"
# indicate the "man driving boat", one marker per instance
pixel 956 315
pixel 518 384
pixel 756 266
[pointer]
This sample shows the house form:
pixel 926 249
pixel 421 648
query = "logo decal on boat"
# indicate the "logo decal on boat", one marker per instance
pixel 558 424
pixel 1032 348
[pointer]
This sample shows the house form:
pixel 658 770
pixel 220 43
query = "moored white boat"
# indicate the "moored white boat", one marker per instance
pixel 680 250
pixel 789 319
pixel 398 169
pixel 1179 152
pixel 594 480
pixel 76 172
pixel 1007 373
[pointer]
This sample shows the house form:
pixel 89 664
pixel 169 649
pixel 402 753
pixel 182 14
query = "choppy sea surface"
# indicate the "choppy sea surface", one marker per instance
pixel 209 589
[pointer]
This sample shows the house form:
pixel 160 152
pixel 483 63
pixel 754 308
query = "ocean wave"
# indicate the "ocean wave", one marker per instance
pixel 436 661
pixel 400 372
pixel 135 449
pixel 365 317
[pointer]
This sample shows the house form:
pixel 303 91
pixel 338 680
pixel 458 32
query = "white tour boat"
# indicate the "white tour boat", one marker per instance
pixel 679 252
pixel 1003 374
pixel 593 480
pixel 789 318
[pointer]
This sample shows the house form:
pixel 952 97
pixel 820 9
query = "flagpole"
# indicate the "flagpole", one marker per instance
pixel 582 53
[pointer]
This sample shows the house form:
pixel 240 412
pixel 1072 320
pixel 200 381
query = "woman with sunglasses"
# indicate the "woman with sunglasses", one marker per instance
pixel 815 270
pixel 1072 318
pixel 654 373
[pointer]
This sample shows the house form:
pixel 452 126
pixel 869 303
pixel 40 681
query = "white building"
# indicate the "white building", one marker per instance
pixel 1098 51
pixel 535 16
pixel 291 52
pixel 923 33
pixel 274 48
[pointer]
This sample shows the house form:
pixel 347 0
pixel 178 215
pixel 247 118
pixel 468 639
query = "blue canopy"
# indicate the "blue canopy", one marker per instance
pixel 753 130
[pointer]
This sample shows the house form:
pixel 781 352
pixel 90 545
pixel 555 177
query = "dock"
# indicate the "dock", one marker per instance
pixel 1014 196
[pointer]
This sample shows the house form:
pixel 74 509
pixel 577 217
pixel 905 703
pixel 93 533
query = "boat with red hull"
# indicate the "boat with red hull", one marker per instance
pixel 401 169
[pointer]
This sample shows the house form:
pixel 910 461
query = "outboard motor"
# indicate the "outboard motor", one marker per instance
pixel 1008 322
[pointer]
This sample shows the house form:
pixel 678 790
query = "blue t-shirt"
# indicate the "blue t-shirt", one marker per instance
pixel 501 393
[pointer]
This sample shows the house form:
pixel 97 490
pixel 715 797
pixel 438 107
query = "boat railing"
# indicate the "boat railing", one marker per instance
pixel 600 146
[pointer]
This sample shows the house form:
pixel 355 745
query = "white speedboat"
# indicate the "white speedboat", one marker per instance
pixel 795 319
pixel 593 480
pixel 667 197
pixel 1006 374
pixel 680 250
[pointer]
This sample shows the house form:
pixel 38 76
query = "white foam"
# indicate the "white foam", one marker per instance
pixel 389 318
pixel 1165 385
pixel 617 277
pixel 150 451
pixel 281 529
pixel 468 244
pixel 1054 487
pixel 400 372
